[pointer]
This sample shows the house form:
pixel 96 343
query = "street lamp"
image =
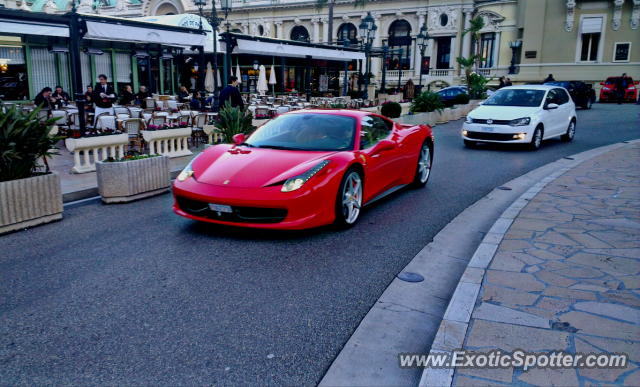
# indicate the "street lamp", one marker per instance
pixel 514 47
pixel 422 41
pixel 385 52
pixel 400 53
pixel 225 6
pixel 256 64
pixel 367 33
pixel 345 85
pixel 201 4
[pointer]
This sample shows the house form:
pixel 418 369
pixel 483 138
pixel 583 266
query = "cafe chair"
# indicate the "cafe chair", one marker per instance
pixel 133 126
pixel 197 128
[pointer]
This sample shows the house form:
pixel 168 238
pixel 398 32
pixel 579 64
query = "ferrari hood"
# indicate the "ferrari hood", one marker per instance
pixel 244 167
pixel 502 112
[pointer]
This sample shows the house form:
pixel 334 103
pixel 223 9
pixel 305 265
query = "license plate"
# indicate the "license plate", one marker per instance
pixel 487 129
pixel 220 208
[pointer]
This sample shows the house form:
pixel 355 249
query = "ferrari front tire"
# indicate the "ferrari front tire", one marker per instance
pixel 423 170
pixel 349 200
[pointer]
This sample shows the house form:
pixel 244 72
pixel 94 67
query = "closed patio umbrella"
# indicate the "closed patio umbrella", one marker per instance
pixel 238 73
pixel 262 81
pixel 208 79
pixel 218 76
pixel 272 80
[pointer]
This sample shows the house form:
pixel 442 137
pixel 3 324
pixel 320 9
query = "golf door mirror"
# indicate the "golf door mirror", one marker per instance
pixel 239 138
pixel 636 83
pixel 601 83
pixel 552 106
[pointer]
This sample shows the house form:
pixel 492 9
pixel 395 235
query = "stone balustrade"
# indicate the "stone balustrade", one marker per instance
pixel 95 149
pixel 170 142
pixel 214 137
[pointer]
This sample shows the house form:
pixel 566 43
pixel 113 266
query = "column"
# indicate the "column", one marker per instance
pixel 429 53
pixel 279 33
pixel 316 30
pixel 466 41
pixel 496 50
pixel 325 29
pixel 453 63
pixel 376 64
pixel 418 59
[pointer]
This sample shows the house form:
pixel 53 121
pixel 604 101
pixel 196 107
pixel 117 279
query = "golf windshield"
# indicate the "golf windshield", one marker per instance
pixel 309 132
pixel 515 97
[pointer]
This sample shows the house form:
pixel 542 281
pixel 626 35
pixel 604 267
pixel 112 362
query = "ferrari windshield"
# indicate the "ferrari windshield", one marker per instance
pixel 309 132
pixel 515 97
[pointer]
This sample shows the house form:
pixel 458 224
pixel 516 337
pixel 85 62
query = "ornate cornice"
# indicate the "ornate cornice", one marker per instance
pixel 568 24
pixel 617 14
pixel 635 15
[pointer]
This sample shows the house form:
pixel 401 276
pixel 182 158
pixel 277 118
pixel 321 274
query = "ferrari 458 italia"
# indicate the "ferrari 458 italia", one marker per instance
pixel 304 169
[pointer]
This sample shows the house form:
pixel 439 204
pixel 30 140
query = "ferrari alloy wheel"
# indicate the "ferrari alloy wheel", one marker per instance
pixel 349 199
pixel 536 141
pixel 571 132
pixel 423 170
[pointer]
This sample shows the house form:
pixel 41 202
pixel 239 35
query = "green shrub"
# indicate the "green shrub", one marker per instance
pixel 232 121
pixel 477 86
pixel 427 101
pixel 353 94
pixel 461 99
pixel 391 110
pixel 23 141
pixel 315 93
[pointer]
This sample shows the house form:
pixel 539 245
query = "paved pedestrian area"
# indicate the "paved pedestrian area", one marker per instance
pixel 565 278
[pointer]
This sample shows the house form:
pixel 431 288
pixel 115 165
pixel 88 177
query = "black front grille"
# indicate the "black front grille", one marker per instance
pixel 491 136
pixel 239 214
pixel 494 122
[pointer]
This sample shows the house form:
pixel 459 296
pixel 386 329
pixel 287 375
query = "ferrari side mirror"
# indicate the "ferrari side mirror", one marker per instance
pixel 239 138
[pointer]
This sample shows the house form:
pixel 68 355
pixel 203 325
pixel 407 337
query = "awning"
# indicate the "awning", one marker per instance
pixel 34 29
pixel 293 51
pixel 186 20
pixel 125 33
pixel 591 25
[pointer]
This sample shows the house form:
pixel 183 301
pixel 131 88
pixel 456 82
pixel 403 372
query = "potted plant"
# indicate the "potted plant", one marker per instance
pixel 122 180
pixel 430 104
pixel 28 195
pixel 391 109
pixel 232 121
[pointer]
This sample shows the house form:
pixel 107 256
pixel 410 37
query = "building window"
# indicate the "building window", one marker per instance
pixel 400 36
pixel 487 43
pixel 350 32
pixel 590 31
pixel 299 33
pixel 44 69
pixel 260 30
pixel 13 73
pixel 621 51
pixel 444 20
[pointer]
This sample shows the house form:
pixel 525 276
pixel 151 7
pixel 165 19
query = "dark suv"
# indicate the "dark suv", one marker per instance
pixel 582 94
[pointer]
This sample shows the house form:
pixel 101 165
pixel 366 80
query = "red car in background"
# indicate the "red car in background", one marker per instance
pixel 304 169
pixel 608 92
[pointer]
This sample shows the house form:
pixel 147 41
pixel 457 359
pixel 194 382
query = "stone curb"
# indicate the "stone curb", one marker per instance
pixel 453 329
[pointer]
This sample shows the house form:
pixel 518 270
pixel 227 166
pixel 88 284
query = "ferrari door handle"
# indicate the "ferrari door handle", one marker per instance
pixel 401 145
pixel 376 155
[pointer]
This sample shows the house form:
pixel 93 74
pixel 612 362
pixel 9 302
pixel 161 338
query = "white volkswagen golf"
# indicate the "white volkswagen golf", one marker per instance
pixel 524 114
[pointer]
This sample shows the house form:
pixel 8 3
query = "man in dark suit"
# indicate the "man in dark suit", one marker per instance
pixel 143 95
pixel 621 87
pixel 103 97
pixel 45 99
pixel 62 98
pixel 231 94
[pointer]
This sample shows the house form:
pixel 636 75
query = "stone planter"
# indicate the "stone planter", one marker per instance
pixel 170 142
pixel 30 202
pixel 101 147
pixel 441 117
pixel 127 181
pixel 455 114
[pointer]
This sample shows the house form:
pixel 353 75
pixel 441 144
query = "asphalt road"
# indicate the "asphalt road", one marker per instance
pixel 135 295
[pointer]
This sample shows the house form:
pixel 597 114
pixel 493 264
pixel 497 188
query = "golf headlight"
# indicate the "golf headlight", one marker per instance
pixel 296 182
pixel 520 122
pixel 468 120
pixel 187 171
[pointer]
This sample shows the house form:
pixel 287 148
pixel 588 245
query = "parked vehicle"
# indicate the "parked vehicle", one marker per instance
pixel 449 93
pixel 582 94
pixel 524 114
pixel 609 94
pixel 304 169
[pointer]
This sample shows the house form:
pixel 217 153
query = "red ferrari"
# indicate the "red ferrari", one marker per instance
pixel 304 169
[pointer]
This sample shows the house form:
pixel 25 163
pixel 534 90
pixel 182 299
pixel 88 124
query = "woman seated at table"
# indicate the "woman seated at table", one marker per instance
pixel 195 101
pixel 128 98
pixel 88 105
pixel 183 94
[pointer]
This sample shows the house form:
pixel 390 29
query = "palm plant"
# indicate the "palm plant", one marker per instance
pixel 232 121
pixel 476 25
pixel 467 64
pixel 427 101
pixel 24 140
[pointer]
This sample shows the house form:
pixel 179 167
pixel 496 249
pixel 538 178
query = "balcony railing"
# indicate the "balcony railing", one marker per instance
pixel 393 74
pixel 349 74
pixel 441 73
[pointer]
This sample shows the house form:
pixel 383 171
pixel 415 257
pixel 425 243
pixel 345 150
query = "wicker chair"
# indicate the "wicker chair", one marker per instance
pixel 106 122
pixel 171 104
pixel 132 127
pixel 157 120
pixel 64 122
pixel 197 125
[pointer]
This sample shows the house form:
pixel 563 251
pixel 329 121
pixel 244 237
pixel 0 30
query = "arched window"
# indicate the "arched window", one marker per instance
pixel 400 36
pixel 299 33
pixel 348 31
pixel 260 30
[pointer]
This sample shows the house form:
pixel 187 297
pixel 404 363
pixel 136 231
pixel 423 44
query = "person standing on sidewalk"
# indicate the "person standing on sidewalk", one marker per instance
pixel 103 97
pixel 231 94
pixel 621 87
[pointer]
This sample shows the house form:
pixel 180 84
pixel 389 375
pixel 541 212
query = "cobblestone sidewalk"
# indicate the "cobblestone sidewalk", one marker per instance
pixel 565 277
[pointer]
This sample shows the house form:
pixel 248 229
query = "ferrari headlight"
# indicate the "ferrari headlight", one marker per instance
pixel 187 172
pixel 520 122
pixel 468 120
pixel 296 182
